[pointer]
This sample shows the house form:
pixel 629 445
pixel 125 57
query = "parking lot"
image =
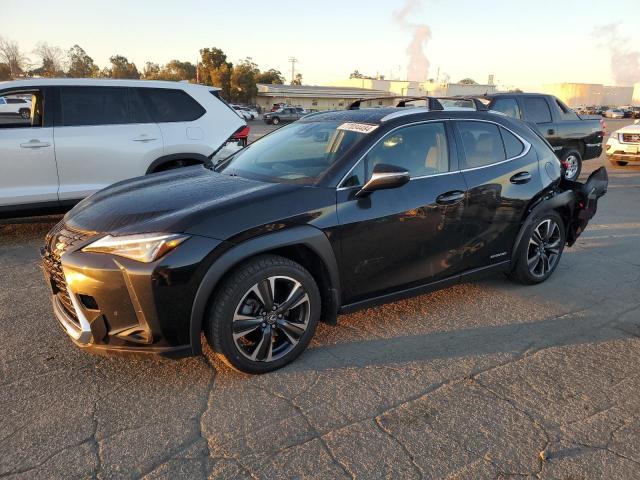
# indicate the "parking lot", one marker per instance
pixel 482 380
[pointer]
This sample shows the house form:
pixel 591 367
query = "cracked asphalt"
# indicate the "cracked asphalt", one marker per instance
pixel 482 380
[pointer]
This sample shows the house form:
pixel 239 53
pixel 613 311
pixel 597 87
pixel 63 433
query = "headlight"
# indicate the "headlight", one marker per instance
pixel 144 247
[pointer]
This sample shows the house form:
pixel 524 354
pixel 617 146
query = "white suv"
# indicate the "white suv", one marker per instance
pixel 15 106
pixel 85 134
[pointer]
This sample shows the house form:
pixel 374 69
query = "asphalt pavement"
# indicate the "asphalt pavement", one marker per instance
pixel 482 380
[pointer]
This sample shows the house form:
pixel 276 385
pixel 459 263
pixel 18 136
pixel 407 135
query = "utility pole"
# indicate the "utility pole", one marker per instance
pixel 293 61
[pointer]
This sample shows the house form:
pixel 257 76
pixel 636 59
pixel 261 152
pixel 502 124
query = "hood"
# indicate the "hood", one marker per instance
pixel 173 202
pixel 635 128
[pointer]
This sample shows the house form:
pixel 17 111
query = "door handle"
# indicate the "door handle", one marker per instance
pixel 450 197
pixel 35 144
pixel 144 138
pixel 520 178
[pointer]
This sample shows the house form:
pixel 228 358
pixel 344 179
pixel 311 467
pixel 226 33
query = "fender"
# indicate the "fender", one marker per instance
pixel 177 156
pixel 306 235
pixel 563 199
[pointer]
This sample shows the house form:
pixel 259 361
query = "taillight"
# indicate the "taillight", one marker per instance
pixel 243 133
pixel 565 164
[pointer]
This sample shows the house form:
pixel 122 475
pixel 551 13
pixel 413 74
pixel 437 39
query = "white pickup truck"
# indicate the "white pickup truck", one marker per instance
pixel 623 146
pixel 15 106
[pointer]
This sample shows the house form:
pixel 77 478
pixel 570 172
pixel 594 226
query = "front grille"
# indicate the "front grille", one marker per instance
pixel 58 241
pixel 631 137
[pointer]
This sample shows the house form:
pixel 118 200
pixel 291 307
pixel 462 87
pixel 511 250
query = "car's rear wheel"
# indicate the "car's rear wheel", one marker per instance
pixel 264 314
pixel 573 161
pixel 540 250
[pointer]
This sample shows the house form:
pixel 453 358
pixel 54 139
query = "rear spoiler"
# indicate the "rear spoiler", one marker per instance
pixel 433 103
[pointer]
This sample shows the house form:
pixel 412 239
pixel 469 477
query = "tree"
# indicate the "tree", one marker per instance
pixel 11 54
pixel 174 71
pixel 243 81
pixel 51 58
pixel 151 71
pixel 468 81
pixel 356 74
pixel 216 71
pixel 270 77
pixel 121 68
pixel 5 72
pixel 297 80
pixel 80 64
pixel 516 90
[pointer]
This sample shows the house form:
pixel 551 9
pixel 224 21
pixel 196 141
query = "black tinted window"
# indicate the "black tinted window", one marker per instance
pixel 565 112
pixel 537 110
pixel 166 105
pixel 482 143
pixel 93 106
pixel 508 106
pixel 15 100
pixel 137 107
pixel 421 149
pixel 512 145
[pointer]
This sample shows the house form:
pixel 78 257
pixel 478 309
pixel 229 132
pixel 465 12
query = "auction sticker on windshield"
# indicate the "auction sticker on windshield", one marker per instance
pixel 358 127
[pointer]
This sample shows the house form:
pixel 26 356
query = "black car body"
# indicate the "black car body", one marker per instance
pixel 372 221
pixel 573 137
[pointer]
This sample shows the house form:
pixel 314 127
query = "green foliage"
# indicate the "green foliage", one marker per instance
pixel 174 71
pixel 270 77
pixel 243 81
pixel 81 65
pixel 216 71
pixel 468 81
pixel 121 68
pixel 297 80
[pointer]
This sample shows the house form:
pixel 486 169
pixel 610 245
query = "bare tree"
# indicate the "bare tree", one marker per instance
pixel 10 54
pixel 52 59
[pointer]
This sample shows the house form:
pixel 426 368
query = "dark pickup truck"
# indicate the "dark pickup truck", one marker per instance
pixel 573 137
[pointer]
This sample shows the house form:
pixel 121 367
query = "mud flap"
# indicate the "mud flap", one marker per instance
pixel 586 196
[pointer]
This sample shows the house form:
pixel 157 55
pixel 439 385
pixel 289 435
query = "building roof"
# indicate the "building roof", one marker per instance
pixel 313 91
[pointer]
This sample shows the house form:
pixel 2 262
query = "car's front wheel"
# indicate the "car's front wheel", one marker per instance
pixel 264 314
pixel 275 120
pixel 540 250
pixel 25 113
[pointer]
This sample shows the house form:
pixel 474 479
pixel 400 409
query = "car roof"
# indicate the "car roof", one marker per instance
pixel 364 115
pixel 101 82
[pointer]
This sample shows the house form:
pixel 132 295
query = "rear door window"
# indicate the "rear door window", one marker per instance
pixel 482 144
pixel 82 106
pixel 169 105
pixel 512 145
pixel 508 106
pixel 537 110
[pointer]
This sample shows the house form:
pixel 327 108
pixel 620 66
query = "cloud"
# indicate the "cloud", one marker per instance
pixel 418 66
pixel 625 62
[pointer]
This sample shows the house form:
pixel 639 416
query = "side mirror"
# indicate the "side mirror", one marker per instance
pixel 384 177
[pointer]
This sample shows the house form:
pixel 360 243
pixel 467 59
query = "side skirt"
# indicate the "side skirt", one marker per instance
pixel 467 276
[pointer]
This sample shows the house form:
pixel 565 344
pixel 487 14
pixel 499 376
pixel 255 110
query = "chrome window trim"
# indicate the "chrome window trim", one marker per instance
pixel 525 151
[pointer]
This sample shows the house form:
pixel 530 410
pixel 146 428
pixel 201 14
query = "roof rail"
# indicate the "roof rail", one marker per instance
pixel 433 103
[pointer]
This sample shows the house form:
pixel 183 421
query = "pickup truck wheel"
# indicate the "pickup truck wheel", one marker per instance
pixel 574 164
pixel 264 314
pixel 539 253
pixel 275 120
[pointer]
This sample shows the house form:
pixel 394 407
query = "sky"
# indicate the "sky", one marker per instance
pixel 523 43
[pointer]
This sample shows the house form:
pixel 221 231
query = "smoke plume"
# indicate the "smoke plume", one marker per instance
pixel 418 66
pixel 625 62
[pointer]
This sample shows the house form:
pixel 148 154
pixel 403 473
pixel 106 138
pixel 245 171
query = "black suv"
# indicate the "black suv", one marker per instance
pixel 336 212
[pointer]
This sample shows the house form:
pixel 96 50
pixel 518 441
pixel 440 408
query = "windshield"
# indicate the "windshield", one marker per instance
pixel 298 153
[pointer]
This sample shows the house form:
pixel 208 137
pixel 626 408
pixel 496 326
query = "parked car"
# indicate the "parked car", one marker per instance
pixel 574 138
pixel 613 113
pixel 15 106
pixel 336 212
pixel 103 131
pixel 242 112
pixel 623 146
pixel 285 114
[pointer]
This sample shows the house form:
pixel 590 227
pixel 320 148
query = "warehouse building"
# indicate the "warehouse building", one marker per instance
pixel 577 94
pixel 406 87
pixel 317 98
pixel 635 101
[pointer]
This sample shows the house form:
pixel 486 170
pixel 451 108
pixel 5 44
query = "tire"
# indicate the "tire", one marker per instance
pixel 621 163
pixel 175 164
pixel 530 267
pixel 275 120
pixel 242 304
pixel 25 113
pixel 574 159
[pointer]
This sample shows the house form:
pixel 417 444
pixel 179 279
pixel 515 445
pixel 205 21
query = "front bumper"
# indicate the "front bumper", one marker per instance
pixel 623 152
pixel 109 304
